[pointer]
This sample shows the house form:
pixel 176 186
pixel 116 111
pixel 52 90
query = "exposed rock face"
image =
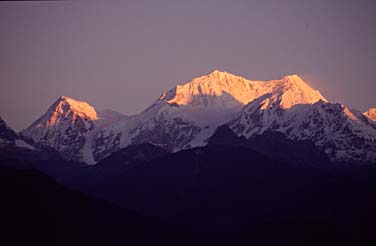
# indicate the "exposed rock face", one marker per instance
pixel 13 147
pixel 6 133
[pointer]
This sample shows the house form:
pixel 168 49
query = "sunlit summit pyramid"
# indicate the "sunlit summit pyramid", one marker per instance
pixel 64 127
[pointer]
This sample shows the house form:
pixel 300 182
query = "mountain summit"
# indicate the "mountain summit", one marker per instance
pixel 65 111
pixel 206 90
pixel 371 114
pixel 66 107
pixel 64 127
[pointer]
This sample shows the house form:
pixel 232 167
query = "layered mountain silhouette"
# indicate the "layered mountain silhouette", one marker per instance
pixel 38 211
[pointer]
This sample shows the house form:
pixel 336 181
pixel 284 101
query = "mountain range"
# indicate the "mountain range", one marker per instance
pixel 187 115
pixel 216 161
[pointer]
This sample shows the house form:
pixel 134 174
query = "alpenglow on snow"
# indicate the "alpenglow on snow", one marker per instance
pixel 188 114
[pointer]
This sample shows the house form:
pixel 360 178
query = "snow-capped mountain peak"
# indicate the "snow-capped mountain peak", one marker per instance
pixel 371 114
pixel 292 90
pixel 66 106
pixel 65 111
pixel 206 90
pixel 228 90
pixel 64 127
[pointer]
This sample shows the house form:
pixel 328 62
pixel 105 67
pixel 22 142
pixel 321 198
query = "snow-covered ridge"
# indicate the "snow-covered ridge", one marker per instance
pixel 214 84
pixel 188 114
pixel 217 84
pixel 334 128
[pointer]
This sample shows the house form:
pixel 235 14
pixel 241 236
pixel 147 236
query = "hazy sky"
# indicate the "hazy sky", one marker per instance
pixel 122 55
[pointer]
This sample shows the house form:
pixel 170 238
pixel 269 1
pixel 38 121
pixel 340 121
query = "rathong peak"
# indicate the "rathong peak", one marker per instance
pixel 67 107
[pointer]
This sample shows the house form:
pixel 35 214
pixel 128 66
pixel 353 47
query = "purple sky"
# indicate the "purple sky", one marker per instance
pixel 123 55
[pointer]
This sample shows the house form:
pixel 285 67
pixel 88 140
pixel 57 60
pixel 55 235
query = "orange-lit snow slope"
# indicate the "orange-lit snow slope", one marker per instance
pixel 371 114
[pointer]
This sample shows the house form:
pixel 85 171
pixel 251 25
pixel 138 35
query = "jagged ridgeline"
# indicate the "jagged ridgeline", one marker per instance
pixel 188 114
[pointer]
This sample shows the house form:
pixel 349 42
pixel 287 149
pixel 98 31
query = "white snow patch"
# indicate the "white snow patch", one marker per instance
pixel 22 144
